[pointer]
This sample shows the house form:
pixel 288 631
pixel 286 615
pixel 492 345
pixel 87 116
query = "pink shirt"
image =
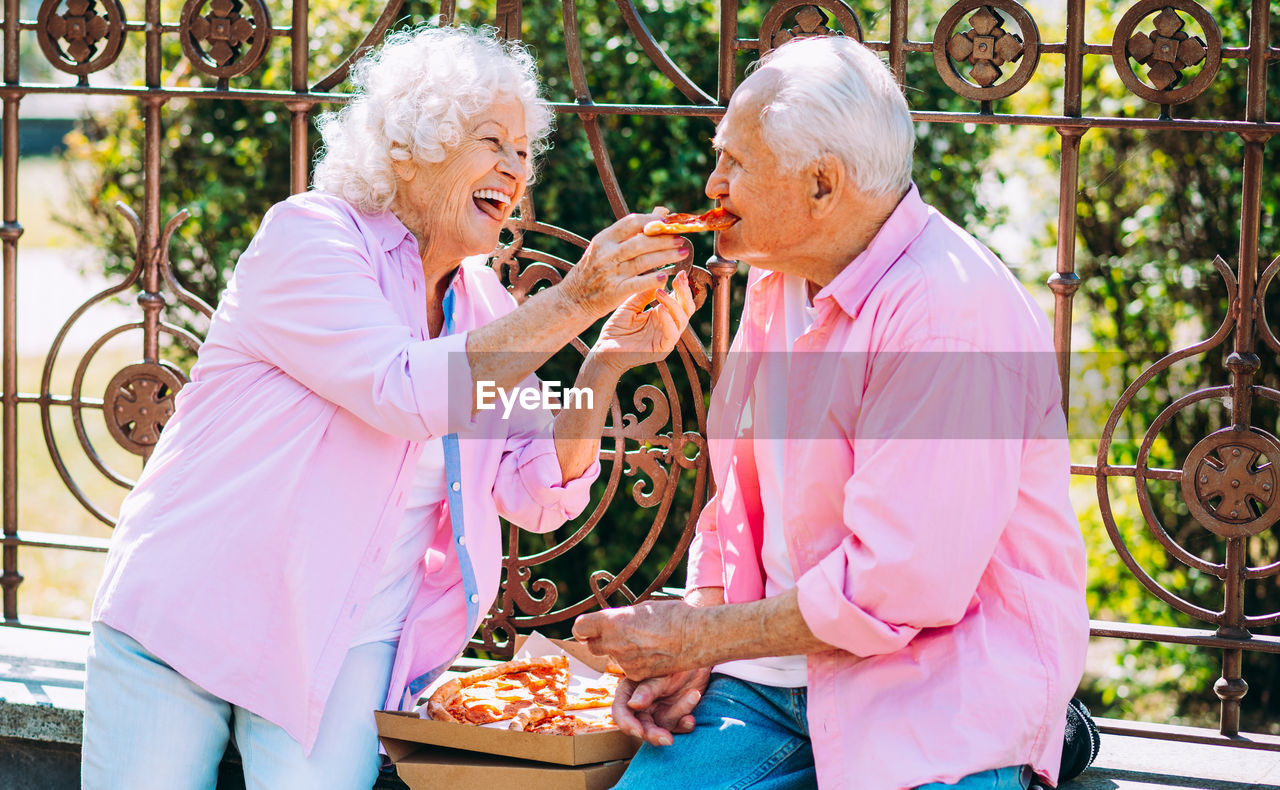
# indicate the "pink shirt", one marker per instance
pixel 930 529
pixel 246 553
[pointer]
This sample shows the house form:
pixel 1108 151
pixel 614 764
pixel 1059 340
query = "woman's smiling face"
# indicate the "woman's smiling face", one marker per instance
pixel 456 207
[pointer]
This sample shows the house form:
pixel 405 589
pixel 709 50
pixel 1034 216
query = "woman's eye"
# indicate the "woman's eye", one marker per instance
pixel 493 141
pixel 524 155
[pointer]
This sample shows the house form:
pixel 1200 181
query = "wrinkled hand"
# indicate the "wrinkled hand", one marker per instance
pixel 659 708
pixel 646 327
pixel 620 261
pixel 647 640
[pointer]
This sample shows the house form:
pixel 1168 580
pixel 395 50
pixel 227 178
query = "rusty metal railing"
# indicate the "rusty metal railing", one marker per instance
pixel 986 51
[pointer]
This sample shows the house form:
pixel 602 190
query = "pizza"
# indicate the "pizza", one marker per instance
pixel 533 693
pixel 715 219
pixel 597 694
pixel 501 691
pixel 554 721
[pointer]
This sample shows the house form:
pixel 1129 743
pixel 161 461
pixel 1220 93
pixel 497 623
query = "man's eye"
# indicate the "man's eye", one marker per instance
pixel 524 155
pixel 493 141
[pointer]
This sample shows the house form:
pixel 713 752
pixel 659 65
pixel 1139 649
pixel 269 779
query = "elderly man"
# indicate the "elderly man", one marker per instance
pixel 888 589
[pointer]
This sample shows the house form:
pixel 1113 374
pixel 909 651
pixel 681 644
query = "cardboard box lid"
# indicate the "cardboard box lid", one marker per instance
pixel 403 733
pixel 431 768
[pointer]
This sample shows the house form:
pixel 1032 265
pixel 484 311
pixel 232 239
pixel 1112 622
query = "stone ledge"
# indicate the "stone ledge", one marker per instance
pixel 40 723
pixel 1131 763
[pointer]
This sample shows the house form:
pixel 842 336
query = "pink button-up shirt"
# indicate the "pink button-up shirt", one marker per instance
pixel 246 553
pixel 930 529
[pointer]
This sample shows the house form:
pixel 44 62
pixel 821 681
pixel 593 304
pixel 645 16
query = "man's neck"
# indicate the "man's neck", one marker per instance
pixel 857 226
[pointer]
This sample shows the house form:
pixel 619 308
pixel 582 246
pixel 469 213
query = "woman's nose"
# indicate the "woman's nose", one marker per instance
pixel 509 162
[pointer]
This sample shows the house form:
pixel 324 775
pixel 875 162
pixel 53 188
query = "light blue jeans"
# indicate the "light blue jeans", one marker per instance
pixel 146 726
pixel 753 736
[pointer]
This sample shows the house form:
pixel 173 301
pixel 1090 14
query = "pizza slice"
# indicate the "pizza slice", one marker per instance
pixel 595 694
pixel 502 691
pixel 554 721
pixel 715 219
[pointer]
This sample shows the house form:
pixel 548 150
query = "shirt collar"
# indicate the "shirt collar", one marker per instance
pixel 389 230
pixel 391 233
pixel 852 286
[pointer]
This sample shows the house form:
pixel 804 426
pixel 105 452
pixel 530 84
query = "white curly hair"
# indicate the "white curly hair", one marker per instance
pixel 412 95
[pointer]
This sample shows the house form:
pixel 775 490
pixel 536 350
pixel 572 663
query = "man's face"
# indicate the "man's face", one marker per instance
pixel 772 203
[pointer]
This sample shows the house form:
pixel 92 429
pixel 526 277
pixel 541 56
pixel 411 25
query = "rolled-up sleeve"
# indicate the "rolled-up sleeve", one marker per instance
pixel 706 565
pixel 306 299
pixel 938 456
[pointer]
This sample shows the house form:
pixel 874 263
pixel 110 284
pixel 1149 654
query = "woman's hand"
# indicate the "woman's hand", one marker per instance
pixel 620 261
pixel 646 327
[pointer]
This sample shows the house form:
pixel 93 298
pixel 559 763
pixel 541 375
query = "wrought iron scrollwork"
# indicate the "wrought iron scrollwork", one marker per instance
pixel 658 448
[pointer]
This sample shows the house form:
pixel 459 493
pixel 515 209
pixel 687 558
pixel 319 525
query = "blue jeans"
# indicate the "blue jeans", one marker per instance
pixel 147 726
pixel 753 736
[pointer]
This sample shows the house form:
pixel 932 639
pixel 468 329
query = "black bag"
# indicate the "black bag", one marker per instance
pixel 1080 743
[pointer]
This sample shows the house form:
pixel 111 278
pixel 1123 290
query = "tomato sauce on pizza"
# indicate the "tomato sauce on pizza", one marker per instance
pixel 715 219
pixel 533 693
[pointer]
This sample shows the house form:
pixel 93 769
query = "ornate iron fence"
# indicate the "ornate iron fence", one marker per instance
pixel 985 50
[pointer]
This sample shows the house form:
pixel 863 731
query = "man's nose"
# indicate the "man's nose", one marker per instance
pixel 717 185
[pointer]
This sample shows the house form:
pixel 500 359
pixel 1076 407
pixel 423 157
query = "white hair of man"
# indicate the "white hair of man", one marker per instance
pixel 835 96
pixel 413 96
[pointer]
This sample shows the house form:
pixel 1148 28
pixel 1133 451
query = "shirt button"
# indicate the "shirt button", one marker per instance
pixel 456 486
pixel 475 598
pixel 462 540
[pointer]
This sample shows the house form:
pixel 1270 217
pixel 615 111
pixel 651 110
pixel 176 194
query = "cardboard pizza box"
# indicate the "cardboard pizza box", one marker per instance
pixel 405 734
pixel 402 733
pixel 432 768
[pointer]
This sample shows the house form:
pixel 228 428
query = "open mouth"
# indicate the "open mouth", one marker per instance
pixel 492 202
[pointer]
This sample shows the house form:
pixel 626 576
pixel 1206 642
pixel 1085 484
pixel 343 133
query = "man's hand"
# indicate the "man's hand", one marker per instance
pixel 647 640
pixel 657 709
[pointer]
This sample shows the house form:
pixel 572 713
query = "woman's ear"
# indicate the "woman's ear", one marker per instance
pixel 404 169
pixel 827 176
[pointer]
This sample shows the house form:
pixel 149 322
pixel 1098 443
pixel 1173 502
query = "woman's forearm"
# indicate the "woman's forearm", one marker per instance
pixel 577 431
pixel 506 351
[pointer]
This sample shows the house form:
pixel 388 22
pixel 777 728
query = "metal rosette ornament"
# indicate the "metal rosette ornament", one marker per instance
pixel 1227 481
pixel 83 38
pixel 986 49
pixel 654 442
pixel 1167 50
pixel 810 21
pixel 224 43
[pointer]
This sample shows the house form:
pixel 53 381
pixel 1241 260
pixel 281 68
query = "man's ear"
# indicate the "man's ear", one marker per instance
pixel 827 175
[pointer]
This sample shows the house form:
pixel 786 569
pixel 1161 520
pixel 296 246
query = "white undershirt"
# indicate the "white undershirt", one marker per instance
pixel 405 564
pixel 767 407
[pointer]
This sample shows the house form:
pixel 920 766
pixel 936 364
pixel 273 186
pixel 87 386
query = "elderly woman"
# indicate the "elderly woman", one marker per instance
pixel 316 534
